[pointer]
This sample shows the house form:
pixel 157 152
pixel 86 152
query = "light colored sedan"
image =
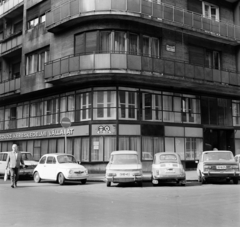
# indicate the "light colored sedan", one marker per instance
pixel 59 167
pixel 167 167
pixel 124 166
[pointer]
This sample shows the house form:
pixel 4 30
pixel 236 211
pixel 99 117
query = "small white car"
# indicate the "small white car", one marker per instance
pixel 167 167
pixel 124 166
pixel 28 159
pixel 217 164
pixel 237 159
pixel 59 167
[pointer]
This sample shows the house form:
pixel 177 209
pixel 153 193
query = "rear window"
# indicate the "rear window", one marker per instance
pixel 124 159
pixel 27 156
pixel 167 158
pixel 218 156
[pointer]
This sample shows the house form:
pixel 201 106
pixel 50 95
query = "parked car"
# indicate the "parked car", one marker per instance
pixel 219 164
pixel 61 168
pixel 28 159
pixel 167 167
pixel 124 166
pixel 237 159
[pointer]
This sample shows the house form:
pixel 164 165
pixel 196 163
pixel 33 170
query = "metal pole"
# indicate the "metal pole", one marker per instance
pixel 65 130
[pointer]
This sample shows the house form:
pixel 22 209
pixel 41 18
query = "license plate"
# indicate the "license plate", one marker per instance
pixel 221 167
pixel 124 174
pixel 170 171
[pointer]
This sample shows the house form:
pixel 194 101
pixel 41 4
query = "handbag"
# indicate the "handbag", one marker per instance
pixel 6 175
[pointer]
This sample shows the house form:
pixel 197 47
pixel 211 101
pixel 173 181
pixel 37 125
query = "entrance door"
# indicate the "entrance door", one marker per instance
pixel 219 138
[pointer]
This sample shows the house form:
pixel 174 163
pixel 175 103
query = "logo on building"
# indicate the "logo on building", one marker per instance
pixel 104 129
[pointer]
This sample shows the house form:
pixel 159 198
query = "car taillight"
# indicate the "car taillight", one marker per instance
pixel 206 167
pixel 111 174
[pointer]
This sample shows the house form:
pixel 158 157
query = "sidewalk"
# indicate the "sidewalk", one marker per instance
pixel 100 177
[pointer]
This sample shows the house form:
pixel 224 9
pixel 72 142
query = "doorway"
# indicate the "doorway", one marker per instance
pixel 221 139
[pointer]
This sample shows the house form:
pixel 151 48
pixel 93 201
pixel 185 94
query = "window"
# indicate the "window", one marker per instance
pixel 15 71
pixel 120 42
pixel 83 106
pixel 104 105
pixel 36 113
pixel 133 43
pixel 51 110
pixel 35 61
pixel 210 11
pixel 67 106
pixel 1 118
pixel 236 112
pixel 23 115
pixel 151 146
pixel 51 160
pixel 91 42
pixel 130 143
pixel 151 107
pixel 150 46
pixel 33 23
pixel 105 41
pixel 127 105
pixel 10 117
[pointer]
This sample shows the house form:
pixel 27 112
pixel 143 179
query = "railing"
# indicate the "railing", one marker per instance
pixel 11 43
pixel 142 64
pixel 149 9
pixel 8 5
pixel 9 86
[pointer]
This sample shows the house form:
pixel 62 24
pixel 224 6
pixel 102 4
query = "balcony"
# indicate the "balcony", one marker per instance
pixel 72 12
pixel 9 87
pixel 11 44
pixel 123 67
pixel 9 5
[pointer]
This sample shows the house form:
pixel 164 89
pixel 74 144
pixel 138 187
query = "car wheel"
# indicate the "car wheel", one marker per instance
pixel 201 180
pixel 235 181
pixel 61 179
pixel 108 183
pixel 84 181
pixel 36 177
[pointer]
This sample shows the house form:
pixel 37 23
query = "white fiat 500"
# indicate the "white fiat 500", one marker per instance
pixel 167 166
pixel 59 167
pixel 124 166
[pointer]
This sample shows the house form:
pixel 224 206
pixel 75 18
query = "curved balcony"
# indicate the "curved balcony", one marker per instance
pixel 128 68
pixel 10 86
pixel 9 5
pixel 61 17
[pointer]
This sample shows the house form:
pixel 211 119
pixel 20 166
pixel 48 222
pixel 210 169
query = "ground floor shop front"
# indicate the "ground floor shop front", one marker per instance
pixel 92 144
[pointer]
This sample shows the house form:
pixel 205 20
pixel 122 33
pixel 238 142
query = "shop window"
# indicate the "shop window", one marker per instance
pixel 83 106
pixel 51 111
pixel 67 106
pixel 104 105
pixel 151 107
pixel 210 11
pixel 130 143
pixel 128 105
pixel 36 113
pixel 109 146
pixel 85 150
pixel 191 110
pixel 194 147
pixel 35 61
pixel 17 27
pixel 151 146
pixel 32 23
pixel 91 42
pixel 97 149
pixel 23 116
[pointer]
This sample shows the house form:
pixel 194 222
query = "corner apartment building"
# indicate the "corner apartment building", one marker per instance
pixel 145 75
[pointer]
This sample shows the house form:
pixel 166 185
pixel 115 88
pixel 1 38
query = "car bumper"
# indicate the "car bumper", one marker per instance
pixel 26 172
pixel 124 179
pixel 221 174
pixel 82 177
pixel 170 178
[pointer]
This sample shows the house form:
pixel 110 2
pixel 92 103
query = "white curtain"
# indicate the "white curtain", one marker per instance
pixel 85 149
pixel 109 146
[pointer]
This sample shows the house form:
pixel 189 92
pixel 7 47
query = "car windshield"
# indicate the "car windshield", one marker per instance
pixel 27 156
pixel 218 156
pixel 66 159
pixel 124 159
pixel 167 158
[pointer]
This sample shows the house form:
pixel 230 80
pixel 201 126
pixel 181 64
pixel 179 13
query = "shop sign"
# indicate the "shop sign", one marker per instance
pixel 103 129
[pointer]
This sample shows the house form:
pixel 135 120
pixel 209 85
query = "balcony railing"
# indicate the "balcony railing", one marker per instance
pixel 9 86
pixel 126 63
pixel 148 9
pixel 8 5
pixel 11 43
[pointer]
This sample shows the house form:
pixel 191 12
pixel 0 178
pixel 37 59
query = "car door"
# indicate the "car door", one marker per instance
pixel 51 168
pixel 41 168
pixel 3 163
pixel 2 169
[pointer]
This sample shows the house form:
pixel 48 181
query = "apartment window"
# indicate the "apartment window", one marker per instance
pixel 67 106
pixel 127 105
pixel 83 106
pixel 133 43
pixel 104 105
pixel 150 46
pixel 151 107
pixel 17 27
pixel 15 71
pixel 36 113
pixel 51 109
pixel 210 11
pixel 23 115
pixel 42 18
pixel 120 39
pixel 194 148
pixel 10 118
pixel 33 23
pixel 105 41
pixel 236 112
pixel 35 61
pixel 212 59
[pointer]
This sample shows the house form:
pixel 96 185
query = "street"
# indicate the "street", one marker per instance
pixel 93 204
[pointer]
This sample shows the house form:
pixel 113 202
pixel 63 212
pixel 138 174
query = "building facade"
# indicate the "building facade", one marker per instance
pixel 144 75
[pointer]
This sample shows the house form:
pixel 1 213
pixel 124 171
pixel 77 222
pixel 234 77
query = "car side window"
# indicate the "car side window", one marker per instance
pixel 1 156
pixel 5 157
pixel 51 160
pixel 42 161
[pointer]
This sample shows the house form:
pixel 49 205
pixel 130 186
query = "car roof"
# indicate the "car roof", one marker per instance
pixel 216 151
pixel 20 151
pixel 167 152
pixel 56 154
pixel 124 152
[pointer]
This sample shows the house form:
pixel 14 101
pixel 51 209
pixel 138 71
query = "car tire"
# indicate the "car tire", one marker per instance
pixel 36 177
pixel 84 181
pixel 108 184
pixel 235 181
pixel 61 179
pixel 201 180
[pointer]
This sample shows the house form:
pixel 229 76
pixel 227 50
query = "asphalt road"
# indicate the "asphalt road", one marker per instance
pixel 93 204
